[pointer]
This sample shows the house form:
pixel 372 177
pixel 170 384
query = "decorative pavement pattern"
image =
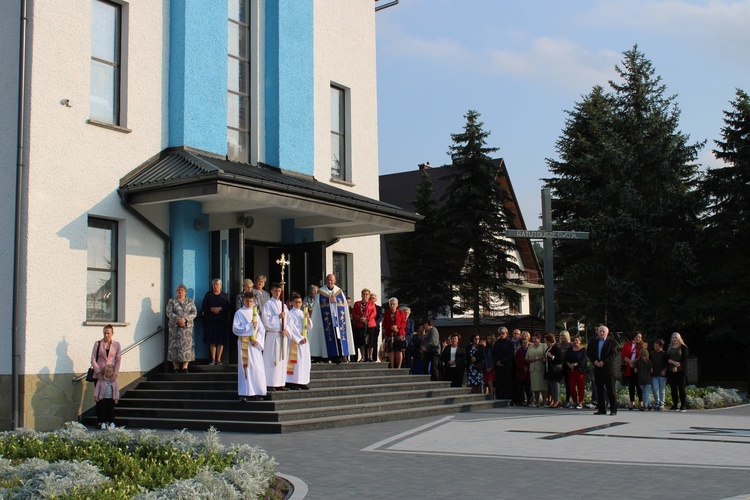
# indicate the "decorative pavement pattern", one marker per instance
pixel 661 438
pixel 522 453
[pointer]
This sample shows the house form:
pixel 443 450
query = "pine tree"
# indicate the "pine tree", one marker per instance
pixel 417 261
pixel 478 258
pixel 726 258
pixel 636 181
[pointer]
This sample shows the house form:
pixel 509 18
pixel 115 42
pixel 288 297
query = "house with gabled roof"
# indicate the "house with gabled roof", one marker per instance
pixel 399 189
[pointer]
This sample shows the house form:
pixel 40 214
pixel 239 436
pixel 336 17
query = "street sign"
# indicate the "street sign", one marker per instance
pixel 557 235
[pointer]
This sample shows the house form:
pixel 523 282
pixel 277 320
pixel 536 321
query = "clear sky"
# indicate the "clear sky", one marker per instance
pixel 521 64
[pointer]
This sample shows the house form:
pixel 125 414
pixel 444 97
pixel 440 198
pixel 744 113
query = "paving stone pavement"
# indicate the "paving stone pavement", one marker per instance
pixel 523 453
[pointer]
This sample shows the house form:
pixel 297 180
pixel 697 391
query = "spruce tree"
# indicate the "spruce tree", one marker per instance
pixel 726 259
pixel 636 182
pixel 581 187
pixel 478 258
pixel 416 260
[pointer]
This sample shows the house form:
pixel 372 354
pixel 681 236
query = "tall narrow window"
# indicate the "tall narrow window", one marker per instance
pixel 338 134
pixel 341 271
pixel 106 28
pixel 238 80
pixel 101 270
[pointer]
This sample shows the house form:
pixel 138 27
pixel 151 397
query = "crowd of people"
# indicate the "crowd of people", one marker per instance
pixel 277 341
pixel 553 371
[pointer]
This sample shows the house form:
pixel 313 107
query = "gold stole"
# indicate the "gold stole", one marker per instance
pixel 246 343
pixel 294 348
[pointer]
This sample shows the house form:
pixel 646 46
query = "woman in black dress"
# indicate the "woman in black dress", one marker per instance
pixel 216 312
pixel 677 355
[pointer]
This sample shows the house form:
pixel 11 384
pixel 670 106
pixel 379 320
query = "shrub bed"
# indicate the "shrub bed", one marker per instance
pixel 74 463
pixel 698 398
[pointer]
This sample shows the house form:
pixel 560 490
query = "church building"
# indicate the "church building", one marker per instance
pixel 147 144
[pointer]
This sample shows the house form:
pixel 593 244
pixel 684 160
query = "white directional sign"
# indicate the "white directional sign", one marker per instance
pixel 558 235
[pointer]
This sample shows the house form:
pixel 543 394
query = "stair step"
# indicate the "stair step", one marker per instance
pixel 344 394
pixel 231 392
pixel 303 424
pixel 303 401
pixel 253 410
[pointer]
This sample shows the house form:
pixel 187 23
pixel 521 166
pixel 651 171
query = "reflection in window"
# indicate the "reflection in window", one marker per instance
pixel 338 133
pixel 101 270
pixel 238 81
pixel 104 98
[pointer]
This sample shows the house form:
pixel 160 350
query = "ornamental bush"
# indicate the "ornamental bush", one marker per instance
pixel 73 463
pixel 698 398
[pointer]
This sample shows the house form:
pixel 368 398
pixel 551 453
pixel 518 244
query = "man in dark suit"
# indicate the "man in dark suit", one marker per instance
pixel 503 353
pixel 603 355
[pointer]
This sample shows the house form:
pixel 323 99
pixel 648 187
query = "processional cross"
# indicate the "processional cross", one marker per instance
pixel 283 263
pixel 547 235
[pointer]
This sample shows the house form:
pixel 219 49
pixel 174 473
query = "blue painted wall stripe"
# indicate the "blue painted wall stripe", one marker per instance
pixel 198 75
pixel 288 80
pixel 190 257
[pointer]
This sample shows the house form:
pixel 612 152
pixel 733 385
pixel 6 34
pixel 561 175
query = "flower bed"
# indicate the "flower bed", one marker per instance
pixel 74 463
pixel 698 398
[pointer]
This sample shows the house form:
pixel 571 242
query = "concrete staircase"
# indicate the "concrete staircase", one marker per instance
pixel 339 395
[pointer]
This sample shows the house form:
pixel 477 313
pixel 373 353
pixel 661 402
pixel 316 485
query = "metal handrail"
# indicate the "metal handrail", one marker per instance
pixel 127 349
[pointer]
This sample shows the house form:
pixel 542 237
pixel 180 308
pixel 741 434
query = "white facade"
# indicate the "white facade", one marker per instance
pixel 345 56
pixel 73 170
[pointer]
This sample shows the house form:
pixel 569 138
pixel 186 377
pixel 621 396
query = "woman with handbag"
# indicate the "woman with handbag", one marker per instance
pixel 106 352
pixel 553 369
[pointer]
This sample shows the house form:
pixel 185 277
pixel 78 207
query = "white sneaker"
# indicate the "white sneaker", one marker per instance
pixel 112 425
pixel 104 427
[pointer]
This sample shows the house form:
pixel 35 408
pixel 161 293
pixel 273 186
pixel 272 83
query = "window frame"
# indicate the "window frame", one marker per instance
pixel 342 135
pixel 244 126
pixel 343 277
pixel 118 121
pixel 114 270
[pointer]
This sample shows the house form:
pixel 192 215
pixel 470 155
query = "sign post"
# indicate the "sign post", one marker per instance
pixel 547 235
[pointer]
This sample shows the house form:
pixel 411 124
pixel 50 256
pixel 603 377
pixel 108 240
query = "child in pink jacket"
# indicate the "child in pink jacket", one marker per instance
pixel 106 395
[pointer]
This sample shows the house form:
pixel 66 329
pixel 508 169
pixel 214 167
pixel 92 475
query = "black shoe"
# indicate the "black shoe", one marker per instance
pixel 294 387
pixel 270 389
pixel 282 388
pixel 600 413
pixel 303 387
pixel 613 413
pixel 184 370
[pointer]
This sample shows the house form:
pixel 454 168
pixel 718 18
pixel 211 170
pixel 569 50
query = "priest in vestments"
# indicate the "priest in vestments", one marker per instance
pixel 331 335
pixel 251 374
pixel 298 366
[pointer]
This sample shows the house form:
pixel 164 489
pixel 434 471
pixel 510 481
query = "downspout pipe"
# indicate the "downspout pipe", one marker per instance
pixel 167 260
pixel 15 416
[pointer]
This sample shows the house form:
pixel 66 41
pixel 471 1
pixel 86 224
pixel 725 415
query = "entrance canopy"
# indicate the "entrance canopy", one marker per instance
pixel 232 194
